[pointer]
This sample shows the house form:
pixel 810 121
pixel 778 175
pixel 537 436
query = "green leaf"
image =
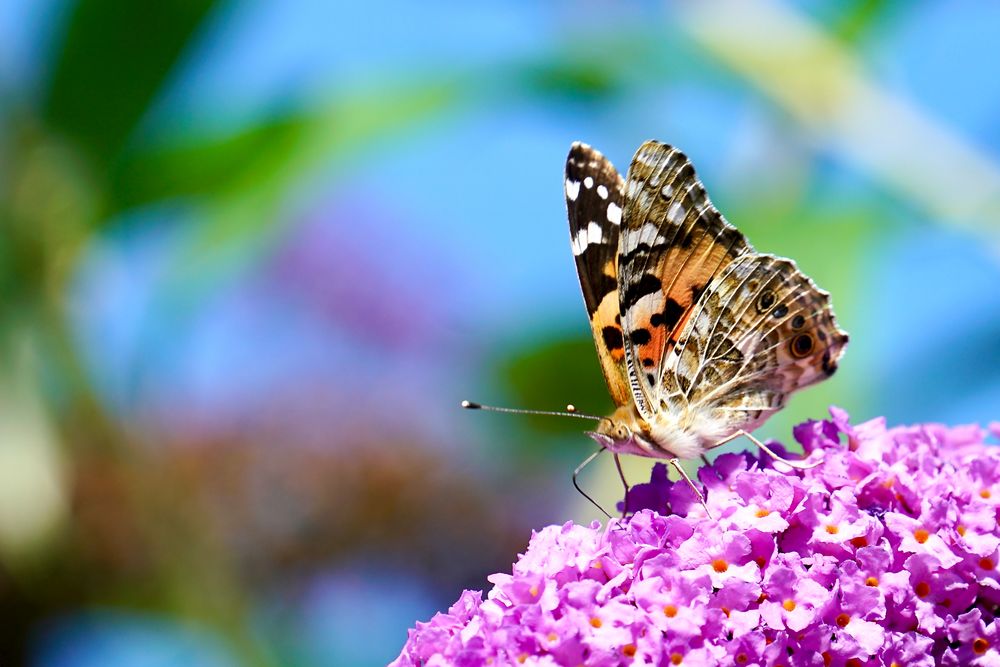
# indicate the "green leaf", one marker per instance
pixel 112 61
pixel 212 166
pixel 575 79
pixel 860 18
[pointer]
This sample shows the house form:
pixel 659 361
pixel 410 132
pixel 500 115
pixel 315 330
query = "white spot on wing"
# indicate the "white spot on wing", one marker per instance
pixel 648 234
pixel 602 192
pixel 588 182
pixel 592 234
pixel 676 213
pixel 667 190
pixel 614 214
pixel 572 189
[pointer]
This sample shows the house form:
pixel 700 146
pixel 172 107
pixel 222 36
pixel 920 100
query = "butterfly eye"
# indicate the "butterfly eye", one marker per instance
pixel 801 345
pixel 765 301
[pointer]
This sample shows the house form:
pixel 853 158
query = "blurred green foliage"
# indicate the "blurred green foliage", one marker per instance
pixel 111 61
pixel 546 371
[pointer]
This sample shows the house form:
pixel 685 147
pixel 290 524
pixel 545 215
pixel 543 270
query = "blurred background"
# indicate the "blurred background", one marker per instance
pixel 254 253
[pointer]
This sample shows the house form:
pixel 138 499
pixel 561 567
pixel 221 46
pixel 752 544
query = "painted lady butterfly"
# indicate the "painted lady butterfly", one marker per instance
pixel 700 337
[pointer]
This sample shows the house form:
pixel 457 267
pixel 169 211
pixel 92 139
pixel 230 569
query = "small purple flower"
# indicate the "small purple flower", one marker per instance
pixel 857 609
pixel 793 599
pixel 974 641
pixel 885 554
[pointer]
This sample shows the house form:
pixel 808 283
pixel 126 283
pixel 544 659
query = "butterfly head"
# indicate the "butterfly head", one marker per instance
pixel 625 432
pixel 622 424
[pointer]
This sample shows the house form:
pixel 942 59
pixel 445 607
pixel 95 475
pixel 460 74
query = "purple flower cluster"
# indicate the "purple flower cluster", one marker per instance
pixel 884 554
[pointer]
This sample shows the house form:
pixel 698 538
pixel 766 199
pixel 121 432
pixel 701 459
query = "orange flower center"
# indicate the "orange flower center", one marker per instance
pixel 871 581
pixel 720 565
pixel 742 659
pixel 986 563
pixel 985 493
pixel 961 530
pixel 629 650
pixel 859 542
pixel 922 589
pixel 832 529
pixel 921 535
pixel 675 658
pixel 789 604
pixel 596 622
pixel 843 620
pixel 761 513
pixel 980 646
pixel 534 591
pixel 670 611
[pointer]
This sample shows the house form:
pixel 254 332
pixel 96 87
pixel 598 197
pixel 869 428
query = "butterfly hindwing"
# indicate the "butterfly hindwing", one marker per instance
pixel 594 203
pixel 761 330
pixel 673 243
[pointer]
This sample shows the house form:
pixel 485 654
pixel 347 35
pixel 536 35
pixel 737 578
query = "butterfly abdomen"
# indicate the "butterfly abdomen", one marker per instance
pixel 686 434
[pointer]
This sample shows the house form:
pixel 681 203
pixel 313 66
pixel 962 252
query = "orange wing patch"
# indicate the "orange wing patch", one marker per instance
pixel 673 243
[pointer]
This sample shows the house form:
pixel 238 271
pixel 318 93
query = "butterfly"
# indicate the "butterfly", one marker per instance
pixel 700 337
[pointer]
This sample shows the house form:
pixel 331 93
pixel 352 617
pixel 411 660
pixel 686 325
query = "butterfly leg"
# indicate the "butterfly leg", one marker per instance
pixel 576 473
pixel 621 475
pixel 701 498
pixel 800 465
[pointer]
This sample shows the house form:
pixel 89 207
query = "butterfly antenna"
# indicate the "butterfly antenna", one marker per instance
pixel 570 411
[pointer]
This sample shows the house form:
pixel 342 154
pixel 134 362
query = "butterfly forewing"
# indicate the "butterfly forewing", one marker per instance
pixel 673 243
pixel 594 203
